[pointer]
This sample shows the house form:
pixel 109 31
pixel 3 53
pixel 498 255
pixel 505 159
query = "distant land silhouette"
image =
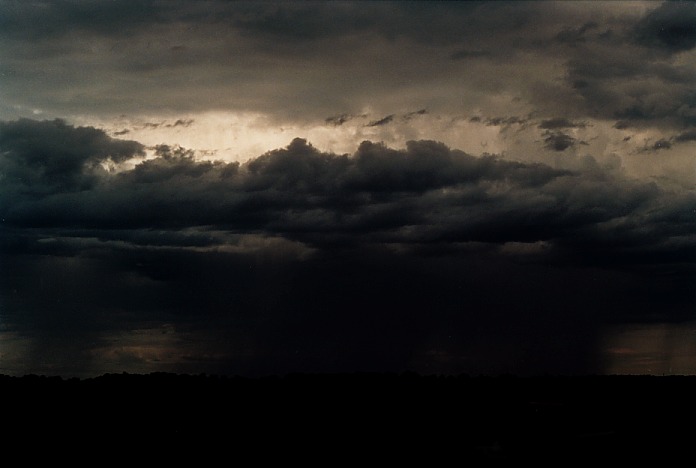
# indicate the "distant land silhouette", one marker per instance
pixel 379 417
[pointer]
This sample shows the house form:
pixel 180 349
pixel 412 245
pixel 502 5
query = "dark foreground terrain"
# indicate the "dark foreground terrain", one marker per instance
pixel 352 418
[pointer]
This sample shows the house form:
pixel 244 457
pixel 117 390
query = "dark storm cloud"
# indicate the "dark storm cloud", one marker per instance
pixel 622 125
pixel 305 260
pixel 662 144
pixel 182 123
pixel 466 54
pixel 660 94
pixel 671 26
pixel 41 20
pixel 341 119
pixel 427 193
pixel 574 36
pixel 433 23
pixel 689 135
pixel 53 156
pixel 288 59
pixel 559 122
pixel 667 143
pixel 337 120
pixel 559 141
pixel 498 121
pixel 305 22
pixel 382 121
pixel 410 115
pixel 619 72
pixel 185 123
pixel 292 22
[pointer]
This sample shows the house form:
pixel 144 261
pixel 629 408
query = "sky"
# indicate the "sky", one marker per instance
pixel 255 188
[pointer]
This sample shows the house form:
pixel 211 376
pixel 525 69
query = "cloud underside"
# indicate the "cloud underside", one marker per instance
pixel 57 183
pixel 56 176
pixel 326 257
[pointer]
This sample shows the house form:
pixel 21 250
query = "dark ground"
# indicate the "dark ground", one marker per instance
pixel 353 418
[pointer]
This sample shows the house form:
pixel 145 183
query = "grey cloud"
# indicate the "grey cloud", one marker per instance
pixel 574 36
pixel 667 143
pixel 559 141
pixel 410 115
pixel 636 112
pixel 623 124
pixel 54 156
pixel 382 121
pixel 616 78
pixel 559 122
pixel 671 26
pixel 305 22
pixel 338 120
pixel 284 25
pixel 466 54
pixel 660 93
pixel 497 121
pixel 178 123
pixel 662 144
pixel 435 23
pixel 227 55
pixel 55 19
pixel 171 163
pixel 182 123
pixel 689 135
pixel 232 50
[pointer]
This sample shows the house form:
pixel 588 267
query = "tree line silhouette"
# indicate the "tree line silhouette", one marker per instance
pixel 346 416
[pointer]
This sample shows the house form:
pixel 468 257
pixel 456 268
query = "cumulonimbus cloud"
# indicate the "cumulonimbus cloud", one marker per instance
pixel 424 194
pixel 317 260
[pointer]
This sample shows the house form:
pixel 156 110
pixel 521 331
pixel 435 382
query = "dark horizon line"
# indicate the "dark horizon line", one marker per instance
pixel 403 375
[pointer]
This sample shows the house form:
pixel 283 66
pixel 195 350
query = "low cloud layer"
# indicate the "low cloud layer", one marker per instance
pixel 424 257
pixel 426 193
